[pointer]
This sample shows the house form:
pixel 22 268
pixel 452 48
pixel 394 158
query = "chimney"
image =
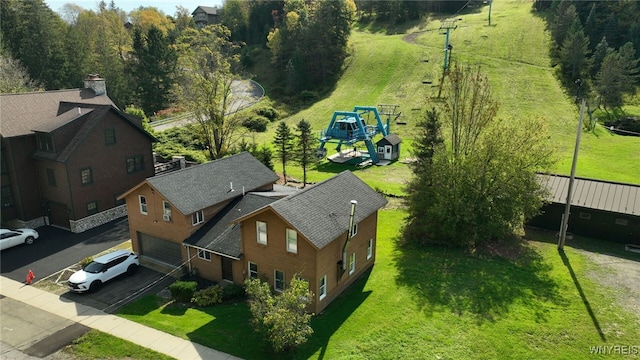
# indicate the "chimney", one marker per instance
pixel 95 83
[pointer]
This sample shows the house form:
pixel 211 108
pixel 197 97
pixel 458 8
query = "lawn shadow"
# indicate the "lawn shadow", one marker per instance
pixel 480 284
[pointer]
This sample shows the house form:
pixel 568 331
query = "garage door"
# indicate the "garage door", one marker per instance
pixel 159 249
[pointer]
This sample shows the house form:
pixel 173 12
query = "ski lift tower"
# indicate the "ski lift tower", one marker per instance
pixel 351 127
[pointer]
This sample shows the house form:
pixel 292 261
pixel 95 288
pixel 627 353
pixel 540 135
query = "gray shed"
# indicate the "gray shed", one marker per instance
pixel 389 147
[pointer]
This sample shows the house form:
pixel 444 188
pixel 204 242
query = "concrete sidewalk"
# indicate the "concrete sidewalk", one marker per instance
pixel 93 318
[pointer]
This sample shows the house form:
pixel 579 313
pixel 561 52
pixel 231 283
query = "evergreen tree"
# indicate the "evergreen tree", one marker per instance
pixel 305 147
pixel 284 146
pixel 601 51
pixel 618 75
pixel 152 66
pixel 574 53
pixel 565 17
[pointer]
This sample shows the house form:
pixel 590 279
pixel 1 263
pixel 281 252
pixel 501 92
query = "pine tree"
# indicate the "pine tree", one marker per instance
pixel 304 148
pixel 284 146
pixel 601 51
pixel 574 53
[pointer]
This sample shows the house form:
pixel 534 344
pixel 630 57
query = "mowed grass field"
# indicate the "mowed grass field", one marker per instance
pixel 512 52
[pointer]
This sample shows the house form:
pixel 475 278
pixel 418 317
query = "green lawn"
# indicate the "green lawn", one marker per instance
pixel 436 303
pixel 99 345
pixel 513 52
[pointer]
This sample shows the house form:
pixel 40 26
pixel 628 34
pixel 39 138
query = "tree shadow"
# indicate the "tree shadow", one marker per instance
pixel 484 286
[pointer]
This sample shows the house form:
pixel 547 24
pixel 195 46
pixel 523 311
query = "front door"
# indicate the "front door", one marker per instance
pixel 387 152
pixel 227 269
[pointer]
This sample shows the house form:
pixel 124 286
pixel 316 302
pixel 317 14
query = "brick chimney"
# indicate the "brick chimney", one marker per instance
pixel 95 83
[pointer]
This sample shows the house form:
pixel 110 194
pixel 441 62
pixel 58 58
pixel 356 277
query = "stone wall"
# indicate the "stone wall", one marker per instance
pixel 95 220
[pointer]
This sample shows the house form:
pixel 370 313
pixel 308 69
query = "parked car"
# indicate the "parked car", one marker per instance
pixel 103 269
pixel 13 237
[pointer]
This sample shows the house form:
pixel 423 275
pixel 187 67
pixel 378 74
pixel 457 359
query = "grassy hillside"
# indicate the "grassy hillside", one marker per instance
pixel 513 52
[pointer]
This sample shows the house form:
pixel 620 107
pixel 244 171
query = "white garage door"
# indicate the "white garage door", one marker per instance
pixel 160 249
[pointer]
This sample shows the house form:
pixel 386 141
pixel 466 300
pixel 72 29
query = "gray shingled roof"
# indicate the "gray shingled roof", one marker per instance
pixel 595 194
pixel 21 113
pixel 210 10
pixel 321 212
pixel 219 234
pixel 393 139
pixel 204 185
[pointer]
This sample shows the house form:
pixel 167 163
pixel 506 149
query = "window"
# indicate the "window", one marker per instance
pixel 292 241
pixel 204 255
pixel 354 230
pixel 86 176
pixel 322 288
pixel 135 164
pixel 369 249
pixel 7 196
pixel 261 231
pixel 45 142
pixel 109 136
pixel 585 216
pixel 166 211
pixel 622 222
pixel 253 270
pixel 278 280
pixel 352 263
pixel 92 207
pixel 143 204
pixel 197 217
pixel 51 177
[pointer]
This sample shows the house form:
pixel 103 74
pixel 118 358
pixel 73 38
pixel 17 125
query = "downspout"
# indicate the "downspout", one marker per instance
pixel 189 258
pixel 343 262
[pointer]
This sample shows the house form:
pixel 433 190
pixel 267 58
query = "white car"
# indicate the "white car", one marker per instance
pixel 103 269
pixel 13 237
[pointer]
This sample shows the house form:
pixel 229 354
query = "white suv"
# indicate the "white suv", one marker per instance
pixel 103 269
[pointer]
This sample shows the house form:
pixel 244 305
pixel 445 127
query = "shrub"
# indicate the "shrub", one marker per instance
pixel 209 296
pixel 233 292
pixel 256 123
pixel 182 291
pixel 308 96
pixel 84 262
pixel 268 112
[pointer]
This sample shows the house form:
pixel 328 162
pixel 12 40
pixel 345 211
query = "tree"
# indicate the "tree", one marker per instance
pixel 617 76
pixel 565 16
pixel 282 319
pixel 305 147
pixel 482 184
pixel 14 77
pixel 600 52
pixel 574 53
pixel 284 146
pixel 209 64
pixel 147 17
pixel 153 63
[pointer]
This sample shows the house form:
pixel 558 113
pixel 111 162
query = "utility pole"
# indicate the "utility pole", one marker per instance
pixel 445 28
pixel 565 217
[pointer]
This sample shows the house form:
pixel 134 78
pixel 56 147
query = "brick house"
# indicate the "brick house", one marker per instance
pixel 67 155
pixel 165 211
pixel 306 235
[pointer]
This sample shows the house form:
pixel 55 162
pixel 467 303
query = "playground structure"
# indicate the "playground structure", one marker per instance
pixel 350 127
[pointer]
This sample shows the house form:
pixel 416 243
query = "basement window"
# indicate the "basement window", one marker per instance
pixel 622 222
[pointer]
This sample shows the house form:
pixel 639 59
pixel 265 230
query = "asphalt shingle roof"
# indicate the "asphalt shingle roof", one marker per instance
pixel 204 185
pixel 594 194
pixel 219 234
pixel 321 212
pixel 21 113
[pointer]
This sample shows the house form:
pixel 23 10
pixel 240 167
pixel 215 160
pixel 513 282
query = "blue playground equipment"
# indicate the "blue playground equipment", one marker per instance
pixel 350 127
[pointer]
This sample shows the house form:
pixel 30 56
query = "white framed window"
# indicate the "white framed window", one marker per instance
pixel 204 255
pixel 166 211
pixel 278 280
pixel 369 249
pixel 292 241
pixel 322 288
pixel 253 270
pixel 197 217
pixel 142 200
pixel 354 230
pixel 261 231
pixel 352 263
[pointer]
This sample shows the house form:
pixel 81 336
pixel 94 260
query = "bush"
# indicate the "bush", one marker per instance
pixel 308 96
pixel 182 291
pixel 84 262
pixel 233 292
pixel 209 296
pixel 256 123
pixel 268 112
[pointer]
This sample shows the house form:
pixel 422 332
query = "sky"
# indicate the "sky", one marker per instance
pixel 166 6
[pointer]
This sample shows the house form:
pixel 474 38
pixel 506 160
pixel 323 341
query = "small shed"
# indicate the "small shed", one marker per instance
pixel 389 147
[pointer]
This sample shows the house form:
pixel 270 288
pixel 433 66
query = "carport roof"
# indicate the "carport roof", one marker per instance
pixel 219 234
pixel 595 194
